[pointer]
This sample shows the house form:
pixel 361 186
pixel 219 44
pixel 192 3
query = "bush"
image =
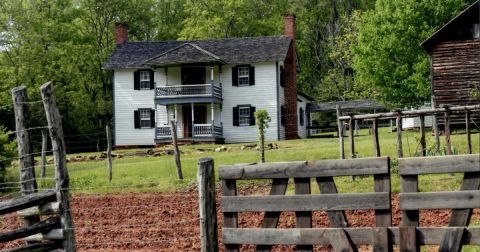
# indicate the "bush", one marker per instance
pixel 7 151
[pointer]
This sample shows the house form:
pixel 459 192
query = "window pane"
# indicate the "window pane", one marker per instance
pixel 144 76
pixel 243 75
pixel 144 84
pixel 244 115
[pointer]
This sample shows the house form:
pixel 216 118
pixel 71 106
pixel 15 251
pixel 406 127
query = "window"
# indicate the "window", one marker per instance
pixel 145 118
pixel 301 116
pixel 144 79
pixel 244 116
pixel 243 75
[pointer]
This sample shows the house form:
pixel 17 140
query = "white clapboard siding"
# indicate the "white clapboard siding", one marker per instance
pixel 281 101
pixel 128 100
pixel 302 130
pixel 262 95
pixel 414 122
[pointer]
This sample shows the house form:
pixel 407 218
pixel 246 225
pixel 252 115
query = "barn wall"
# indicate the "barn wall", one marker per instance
pixel 455 71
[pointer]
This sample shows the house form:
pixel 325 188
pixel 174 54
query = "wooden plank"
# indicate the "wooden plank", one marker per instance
pixel 176 151
pixel 468 132
pixel 339 241
pixel 109 152
pixel 423 142
pixel 448 143
pixel 54 234
pixel 341 140
pixel 230 220
pixel 382 183
pixel 440 200
pixel 36 247
pixel 380 240
pixel 45 209
pixel 39 227
pixel 303 218
pixel 306 169
pixel 376 143
pixel 452 240
pixel 270 219
pixel 330 202
pixel 207 205
pixel 316 236
pixel 25 164
pixel 27 201
pixel 327 186
pixel 409 184
pixel 408 239
pixel 440 164
pixel 61 172
pixel 399 135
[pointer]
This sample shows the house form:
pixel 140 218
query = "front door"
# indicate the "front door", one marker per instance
pixel 193 75
pixel 199 116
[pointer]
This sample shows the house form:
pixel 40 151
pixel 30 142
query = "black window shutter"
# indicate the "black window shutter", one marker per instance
pixel 152 118
pixel 152 79
pixel 252 116
pixel 282 115
pixel 302 121
pixel 136 80
pixel 251 71
pixel 234 76
pixel 136 119
pixel 235 117
pixel 282 76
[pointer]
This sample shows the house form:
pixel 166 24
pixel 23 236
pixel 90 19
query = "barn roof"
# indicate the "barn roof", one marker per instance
pixel 355 104
pixel 225 51
pixel 455 28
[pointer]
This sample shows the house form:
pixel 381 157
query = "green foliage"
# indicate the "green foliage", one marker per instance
pixel 262 118
pixel 7 151
pixel 388 57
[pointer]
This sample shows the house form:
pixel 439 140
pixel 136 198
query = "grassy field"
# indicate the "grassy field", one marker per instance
pixel 158 173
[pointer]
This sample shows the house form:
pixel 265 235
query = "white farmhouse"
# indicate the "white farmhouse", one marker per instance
pixel 211 88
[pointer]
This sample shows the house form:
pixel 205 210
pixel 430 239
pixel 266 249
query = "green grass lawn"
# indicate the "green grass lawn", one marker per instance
pixel 159 173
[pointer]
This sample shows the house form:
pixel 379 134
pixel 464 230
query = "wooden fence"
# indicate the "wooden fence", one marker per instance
pixel 446 111
pixel 382 237
pixel 55 229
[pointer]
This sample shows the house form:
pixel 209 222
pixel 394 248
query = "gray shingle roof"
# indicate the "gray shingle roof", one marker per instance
pixel 229 51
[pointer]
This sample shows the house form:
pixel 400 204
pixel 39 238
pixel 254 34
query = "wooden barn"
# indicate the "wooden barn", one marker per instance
pixel 454 52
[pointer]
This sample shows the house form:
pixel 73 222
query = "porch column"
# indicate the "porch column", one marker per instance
pixel 168 114
pixel 175 113
pixel 166 76
pixel 211 75
pixel 193 122
pixel 213 114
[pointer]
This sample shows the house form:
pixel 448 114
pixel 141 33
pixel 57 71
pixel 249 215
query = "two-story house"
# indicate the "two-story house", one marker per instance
pixel 211 88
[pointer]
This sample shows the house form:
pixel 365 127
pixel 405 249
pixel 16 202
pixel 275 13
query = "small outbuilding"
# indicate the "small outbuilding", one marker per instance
pixel 454 52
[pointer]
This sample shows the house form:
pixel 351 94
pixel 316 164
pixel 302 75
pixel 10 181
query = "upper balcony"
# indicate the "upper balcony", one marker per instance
pixel 200 93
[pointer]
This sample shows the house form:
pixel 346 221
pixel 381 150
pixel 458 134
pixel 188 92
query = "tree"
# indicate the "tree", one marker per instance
pixel 388 57
pixel 262 119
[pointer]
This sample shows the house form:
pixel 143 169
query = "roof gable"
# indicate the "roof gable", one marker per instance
pixel 459 28
pixel 227 51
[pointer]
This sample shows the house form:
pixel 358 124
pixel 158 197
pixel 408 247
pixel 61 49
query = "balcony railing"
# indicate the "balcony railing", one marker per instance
pixel 180 91
pixel 199 131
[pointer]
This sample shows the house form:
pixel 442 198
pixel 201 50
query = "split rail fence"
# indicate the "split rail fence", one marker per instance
pixel 382 237
pixel 48 223
pixel 446 111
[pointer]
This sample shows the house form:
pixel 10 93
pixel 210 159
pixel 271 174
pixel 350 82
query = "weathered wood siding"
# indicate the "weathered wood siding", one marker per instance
pixel 455 71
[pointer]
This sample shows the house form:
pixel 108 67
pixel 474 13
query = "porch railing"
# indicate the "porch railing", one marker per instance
pixel 178 91
pixel 199 130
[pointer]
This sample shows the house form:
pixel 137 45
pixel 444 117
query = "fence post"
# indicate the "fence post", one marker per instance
pixel 340 134
pixel 399 135
pixel 109 152
pixel 43 164
pixel 25 156
pixel 376 143
pixel 351 137
pixel 61 173
pixel 467 129
pixel 448 144
pixel 176 152
pixel 423 143
pixel 208 211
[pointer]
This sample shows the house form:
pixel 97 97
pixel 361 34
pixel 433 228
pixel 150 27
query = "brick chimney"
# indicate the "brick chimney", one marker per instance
pixel 121 33
pixel 290 88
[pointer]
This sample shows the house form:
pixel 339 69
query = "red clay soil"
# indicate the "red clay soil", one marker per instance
pixel 169 221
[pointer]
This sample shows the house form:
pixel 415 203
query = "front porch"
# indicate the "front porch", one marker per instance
pixel 200 133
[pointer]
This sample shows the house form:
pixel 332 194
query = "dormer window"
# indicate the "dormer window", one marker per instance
pixel 144 79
